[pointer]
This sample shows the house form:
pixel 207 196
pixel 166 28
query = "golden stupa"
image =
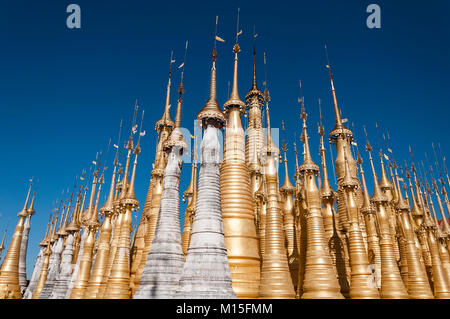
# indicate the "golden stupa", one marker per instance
pixel 246 234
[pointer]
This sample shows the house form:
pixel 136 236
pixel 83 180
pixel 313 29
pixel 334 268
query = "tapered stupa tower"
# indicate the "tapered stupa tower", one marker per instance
pixel 287 191
pixel 417 283
pixel 255 132
pixel 91 225
pixel 237 201
pixel 46 258
pixel 362 283
pixel 63 278
pixel 392 286
pixel 9 271
pixel 147 226
pixel 55 258
pixel 334 241
pixel 320 280
pixel 162 271
pixel 98 278
pixel 206 273
pixel 388 190
pixel 118 285
pixel 368 212
pixel 24 246
pixel 38 265
pixel 342 138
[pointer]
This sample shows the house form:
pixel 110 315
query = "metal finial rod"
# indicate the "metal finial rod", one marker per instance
pixel 117 145
pixel 265 73
pixel 140 132
pixel 368 146
pixel 237 26
pixel 320 113
pixel 181 90
pixel 106 157
pixel 170 63
pixel 326 55
pixel 215 32
pixel 284 134
pixel 254 40
pixel 378 137
pixel 134 118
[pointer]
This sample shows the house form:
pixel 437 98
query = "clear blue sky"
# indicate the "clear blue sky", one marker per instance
pixel 63 92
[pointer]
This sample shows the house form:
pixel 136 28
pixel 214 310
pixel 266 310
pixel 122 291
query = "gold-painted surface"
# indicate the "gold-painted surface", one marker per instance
pixel 90 224
pixel 149 217
pixel 417 283
pixel 9 271
pixel 392 286
pixel 320 280
pixel 238 211
pixel 362 283
pixel 369 215
pixel 276 279
pixel 440 281
pixel 97 279
pixel 118 284
pixel 43 275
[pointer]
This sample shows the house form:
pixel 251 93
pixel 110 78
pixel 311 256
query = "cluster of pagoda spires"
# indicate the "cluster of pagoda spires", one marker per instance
pixel 243 235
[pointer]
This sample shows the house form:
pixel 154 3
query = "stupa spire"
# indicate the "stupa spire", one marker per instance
pixel 206 271
pixel 337 112
pixel 361 283
pixel 164 264
pixel 417 283
pixel 236 198
pixel 392 286
pixel 118 285
pixel 165 119
pixel 318 259
pixel 276 281
pixel 9 271
pixel 98 277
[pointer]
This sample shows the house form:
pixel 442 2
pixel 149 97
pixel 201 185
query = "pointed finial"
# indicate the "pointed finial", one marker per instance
pixel 337 112
pixel 30 209
pixel 23 212
pixel 176 136
pixel 326 190
pixel 165 120
pixel 367 207
pixel 377 194
pixel 182 66
pixel 287 185
pixel 234 99
pixel 130 198
pixel 384 181
pixel 308 164
pixel 254 92
pixel 270 146
pixel 211 113
pixel 108 206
